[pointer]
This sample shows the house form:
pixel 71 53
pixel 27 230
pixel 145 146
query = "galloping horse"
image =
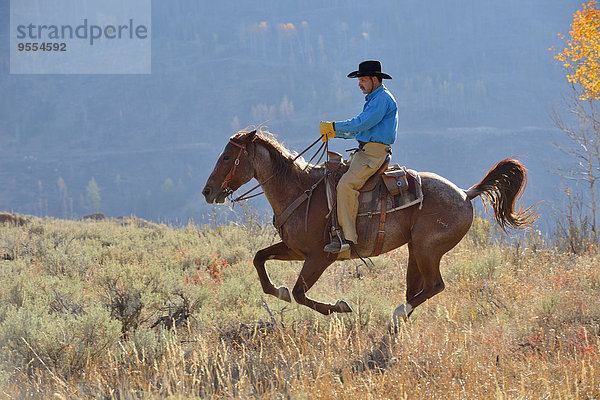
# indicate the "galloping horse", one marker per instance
pixel 431 230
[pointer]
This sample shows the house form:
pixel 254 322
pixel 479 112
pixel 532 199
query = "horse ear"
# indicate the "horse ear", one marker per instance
pixel 251 136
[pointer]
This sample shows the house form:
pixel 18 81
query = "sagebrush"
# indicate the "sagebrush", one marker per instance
pixel 105 309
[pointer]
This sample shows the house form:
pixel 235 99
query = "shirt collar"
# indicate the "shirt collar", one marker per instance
pixel 375 92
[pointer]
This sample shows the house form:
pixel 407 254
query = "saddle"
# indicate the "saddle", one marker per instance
pixel 390 188
pixel 403 186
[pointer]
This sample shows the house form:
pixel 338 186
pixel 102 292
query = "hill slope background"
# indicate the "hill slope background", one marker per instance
pixel 475 83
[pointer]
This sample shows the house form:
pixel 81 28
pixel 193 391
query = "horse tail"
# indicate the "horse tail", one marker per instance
pixel 501 188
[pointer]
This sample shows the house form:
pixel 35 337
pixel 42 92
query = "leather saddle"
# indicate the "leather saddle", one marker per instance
pixel 403 186
pixel 390 188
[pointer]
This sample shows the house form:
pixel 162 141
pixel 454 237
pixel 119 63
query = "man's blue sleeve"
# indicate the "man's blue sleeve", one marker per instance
pixel 372 114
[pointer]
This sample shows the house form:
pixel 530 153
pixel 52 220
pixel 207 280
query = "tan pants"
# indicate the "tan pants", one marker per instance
pixel 364 164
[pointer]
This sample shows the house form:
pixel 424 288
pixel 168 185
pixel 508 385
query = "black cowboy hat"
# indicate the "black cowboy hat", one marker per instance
pixel 369 68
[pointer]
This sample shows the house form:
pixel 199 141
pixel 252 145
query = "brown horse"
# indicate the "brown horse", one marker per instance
pixel 430 231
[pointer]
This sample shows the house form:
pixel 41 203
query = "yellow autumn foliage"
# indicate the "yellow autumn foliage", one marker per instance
pixel 582 53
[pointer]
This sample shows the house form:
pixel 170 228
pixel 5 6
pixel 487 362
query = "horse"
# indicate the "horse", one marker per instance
pixel 430 230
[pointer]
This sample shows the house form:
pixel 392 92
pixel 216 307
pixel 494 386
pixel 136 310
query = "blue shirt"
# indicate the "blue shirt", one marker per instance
pixel 378 121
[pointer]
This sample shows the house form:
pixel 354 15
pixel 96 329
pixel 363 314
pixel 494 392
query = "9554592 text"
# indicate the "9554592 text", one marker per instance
pixel 43 46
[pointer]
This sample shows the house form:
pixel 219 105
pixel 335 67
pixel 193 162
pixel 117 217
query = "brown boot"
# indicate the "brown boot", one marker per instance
pixel 337 245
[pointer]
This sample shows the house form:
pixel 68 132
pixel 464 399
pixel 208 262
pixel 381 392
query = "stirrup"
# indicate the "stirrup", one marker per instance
pixel 337 245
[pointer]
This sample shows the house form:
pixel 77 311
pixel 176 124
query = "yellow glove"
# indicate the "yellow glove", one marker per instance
pixel 327 130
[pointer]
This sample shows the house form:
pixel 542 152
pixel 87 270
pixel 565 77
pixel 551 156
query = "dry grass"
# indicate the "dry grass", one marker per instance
pixel 81 307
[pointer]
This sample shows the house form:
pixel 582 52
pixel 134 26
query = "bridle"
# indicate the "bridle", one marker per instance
pixel 225 184
pixel 243 150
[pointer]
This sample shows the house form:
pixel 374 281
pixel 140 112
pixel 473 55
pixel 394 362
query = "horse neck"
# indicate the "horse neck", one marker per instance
pixel 280 189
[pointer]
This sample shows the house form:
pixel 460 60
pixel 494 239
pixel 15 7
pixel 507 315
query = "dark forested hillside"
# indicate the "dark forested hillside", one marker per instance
pixel 468 74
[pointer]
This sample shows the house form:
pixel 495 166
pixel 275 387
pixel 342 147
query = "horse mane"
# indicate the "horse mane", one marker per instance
pixel 284 163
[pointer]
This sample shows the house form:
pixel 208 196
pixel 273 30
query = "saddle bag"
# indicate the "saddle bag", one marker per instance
pixel 395 181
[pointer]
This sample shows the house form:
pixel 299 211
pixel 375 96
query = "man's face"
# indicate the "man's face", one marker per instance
pixel 367 84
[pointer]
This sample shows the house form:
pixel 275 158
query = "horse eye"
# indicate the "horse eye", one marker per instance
pixel 226 158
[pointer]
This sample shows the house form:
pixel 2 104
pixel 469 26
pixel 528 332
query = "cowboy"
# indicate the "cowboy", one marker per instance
pixel 375 130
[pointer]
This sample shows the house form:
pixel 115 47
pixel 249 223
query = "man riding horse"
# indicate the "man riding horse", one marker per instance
pixel 375 130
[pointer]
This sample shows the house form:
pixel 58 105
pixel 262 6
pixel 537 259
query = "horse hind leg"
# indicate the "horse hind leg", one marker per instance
pixel 424 281
pixel 278 251
pixel 414 278
pixel 311 271
pixel 414 285
pixel 429 266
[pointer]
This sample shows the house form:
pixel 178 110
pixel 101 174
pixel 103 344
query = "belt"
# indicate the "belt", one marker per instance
pixel 361 146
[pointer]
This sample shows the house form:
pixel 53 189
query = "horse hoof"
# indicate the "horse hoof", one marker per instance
pixel 283 293
pixel 401 314
pixel 342 306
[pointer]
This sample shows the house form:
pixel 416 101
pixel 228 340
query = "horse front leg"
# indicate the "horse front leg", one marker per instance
pixel 312 270
pixel 278 251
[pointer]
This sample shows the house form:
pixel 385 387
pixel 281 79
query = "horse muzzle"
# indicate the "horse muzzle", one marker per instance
pixel 212 195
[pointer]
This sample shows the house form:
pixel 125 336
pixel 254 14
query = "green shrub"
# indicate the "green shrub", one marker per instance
pixel 62 343
pixel 482 232
pixel 483 266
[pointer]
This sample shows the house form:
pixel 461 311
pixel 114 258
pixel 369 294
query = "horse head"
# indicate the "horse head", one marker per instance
pixel 233 168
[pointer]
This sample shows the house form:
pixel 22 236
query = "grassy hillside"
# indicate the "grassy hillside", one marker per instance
pixel 127 310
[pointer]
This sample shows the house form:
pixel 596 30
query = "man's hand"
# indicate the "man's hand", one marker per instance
pixel 327 130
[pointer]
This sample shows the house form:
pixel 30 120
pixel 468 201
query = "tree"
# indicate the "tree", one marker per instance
pixel 63 193
pixel 93 195
pixel 583 147
pixel 581 58
pixel 582 54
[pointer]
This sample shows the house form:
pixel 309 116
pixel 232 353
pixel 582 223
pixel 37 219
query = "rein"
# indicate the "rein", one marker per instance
pixel 246 195
pixel 305 196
